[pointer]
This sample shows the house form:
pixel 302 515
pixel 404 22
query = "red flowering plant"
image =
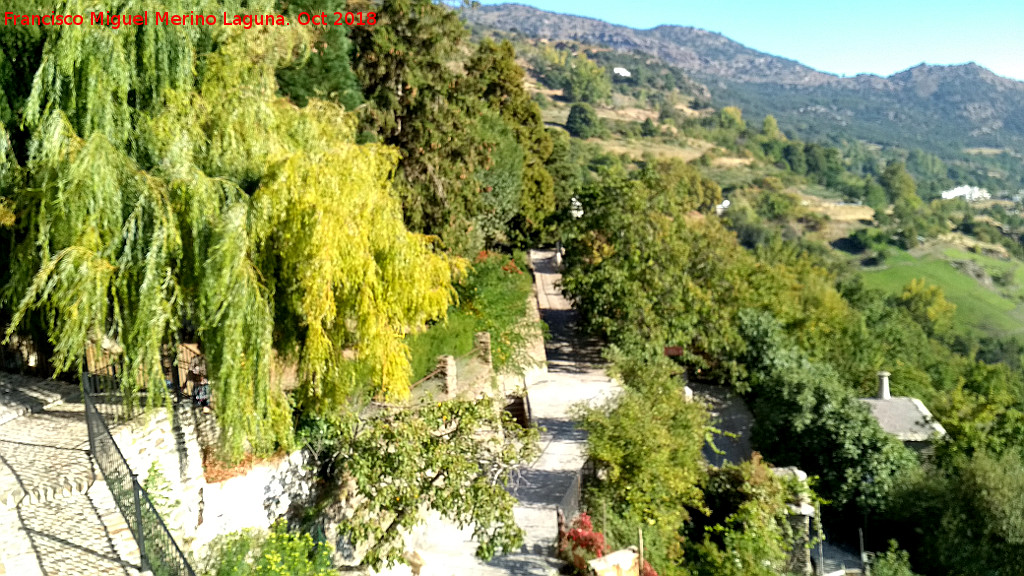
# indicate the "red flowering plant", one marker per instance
pixel 581 544
pixel 647 570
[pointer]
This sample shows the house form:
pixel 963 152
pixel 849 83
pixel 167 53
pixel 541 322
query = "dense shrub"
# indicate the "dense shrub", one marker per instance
pixel 274 553
pixel 493 298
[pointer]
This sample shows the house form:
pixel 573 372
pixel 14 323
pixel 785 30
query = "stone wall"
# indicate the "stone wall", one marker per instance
pixel 200 511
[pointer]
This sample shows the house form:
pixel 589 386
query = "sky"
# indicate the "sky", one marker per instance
pixel 842 37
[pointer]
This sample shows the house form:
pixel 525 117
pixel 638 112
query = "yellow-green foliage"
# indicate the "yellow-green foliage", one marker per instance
pixel 169 183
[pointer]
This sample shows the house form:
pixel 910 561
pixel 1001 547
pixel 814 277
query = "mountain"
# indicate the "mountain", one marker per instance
pixel 942 109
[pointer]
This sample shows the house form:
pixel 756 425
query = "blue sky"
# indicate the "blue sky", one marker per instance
pixel 845 37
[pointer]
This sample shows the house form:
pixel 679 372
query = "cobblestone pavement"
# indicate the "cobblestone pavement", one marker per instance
pixel 54 518
pixel 20 395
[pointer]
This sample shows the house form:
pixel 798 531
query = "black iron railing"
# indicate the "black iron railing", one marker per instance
pixel 157 548
pixel 572 504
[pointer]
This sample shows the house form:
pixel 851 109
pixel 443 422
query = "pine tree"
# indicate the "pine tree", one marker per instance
pixel 493 66
pixel 326 71
pixel 419 104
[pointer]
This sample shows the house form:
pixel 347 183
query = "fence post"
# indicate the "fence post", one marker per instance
pixel 88 413
pixel 138 521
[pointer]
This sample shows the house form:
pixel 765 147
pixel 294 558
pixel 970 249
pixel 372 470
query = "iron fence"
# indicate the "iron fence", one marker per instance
pixel 109 400
pixel 572 501
pixel 157 548
pixel 572 504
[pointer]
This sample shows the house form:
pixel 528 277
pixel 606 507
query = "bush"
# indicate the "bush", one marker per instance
pixel 492 298
pixel 583 121
pixel 581 544
pixel 277 553
pixel 895 562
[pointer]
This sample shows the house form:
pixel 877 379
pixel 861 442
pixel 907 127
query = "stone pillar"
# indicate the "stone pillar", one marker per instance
pixel 482 343
pixel 449 378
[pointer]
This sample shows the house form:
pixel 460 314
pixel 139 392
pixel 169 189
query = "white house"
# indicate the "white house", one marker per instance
pixel 621 72
pixel 969 193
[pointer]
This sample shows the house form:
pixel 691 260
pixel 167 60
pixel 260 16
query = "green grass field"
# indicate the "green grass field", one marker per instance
pixel 994 310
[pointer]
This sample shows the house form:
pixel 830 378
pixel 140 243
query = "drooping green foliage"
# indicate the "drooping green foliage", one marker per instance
pixel 166 185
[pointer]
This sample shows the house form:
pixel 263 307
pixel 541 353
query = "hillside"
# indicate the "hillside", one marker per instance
pixel 942 109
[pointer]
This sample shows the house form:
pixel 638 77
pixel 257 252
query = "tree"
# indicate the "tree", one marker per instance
pixel 419 104
pixel 325 72
pixel 928 306
pixel 586 81
pixel 502 180
pixel 566 166
pixel 583 121
pixel 648 446
pixel 500 83
pixel 731 118
pixel 793 153
pixel 745 530
pixel 874 196
pixel 770 128
pixel 171 195
pixel 640 267
pixel 976 513
pixel 805 419
pixel 648 129
pixel 454 457
pixel 897 182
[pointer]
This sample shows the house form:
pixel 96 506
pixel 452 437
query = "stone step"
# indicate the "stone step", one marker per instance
pixel 61 487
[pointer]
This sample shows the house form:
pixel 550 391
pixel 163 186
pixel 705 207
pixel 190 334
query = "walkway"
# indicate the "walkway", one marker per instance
pixel 55 519
pixel 574 374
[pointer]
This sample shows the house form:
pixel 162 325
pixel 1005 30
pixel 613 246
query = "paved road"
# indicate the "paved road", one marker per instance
pixel 55 519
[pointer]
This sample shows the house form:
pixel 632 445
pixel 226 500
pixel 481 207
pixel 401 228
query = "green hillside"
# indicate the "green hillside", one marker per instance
pixel 990 309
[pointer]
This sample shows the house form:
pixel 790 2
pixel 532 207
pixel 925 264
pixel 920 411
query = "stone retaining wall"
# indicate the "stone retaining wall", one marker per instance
pixel 200 511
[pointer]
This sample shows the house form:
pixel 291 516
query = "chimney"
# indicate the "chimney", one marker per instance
pixel 883 385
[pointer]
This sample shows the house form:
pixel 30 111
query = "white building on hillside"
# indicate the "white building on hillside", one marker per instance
pixel 621 72
pixel 969 193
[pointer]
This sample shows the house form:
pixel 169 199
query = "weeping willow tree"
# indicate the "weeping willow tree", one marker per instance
pixel 165 183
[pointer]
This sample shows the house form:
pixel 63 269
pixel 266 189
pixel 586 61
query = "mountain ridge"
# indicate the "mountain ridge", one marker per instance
pixel 554 25
pixel 940 108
